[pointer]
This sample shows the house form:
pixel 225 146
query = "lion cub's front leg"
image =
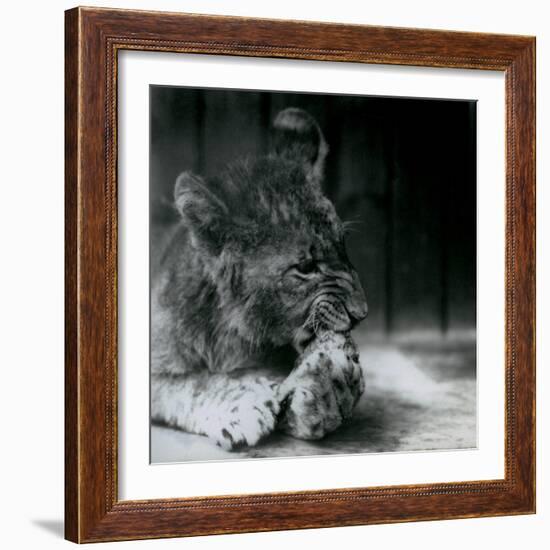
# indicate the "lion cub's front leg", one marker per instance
pixel 324 387
pixel 235 410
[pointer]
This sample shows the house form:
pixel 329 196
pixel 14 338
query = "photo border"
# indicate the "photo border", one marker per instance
pixel 137 479
pixel 93 38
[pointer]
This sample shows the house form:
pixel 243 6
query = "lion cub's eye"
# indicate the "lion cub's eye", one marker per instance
pixel 307 267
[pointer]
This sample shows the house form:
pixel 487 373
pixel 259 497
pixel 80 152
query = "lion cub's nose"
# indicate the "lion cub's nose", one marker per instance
pixel 357 302
pixel 361 311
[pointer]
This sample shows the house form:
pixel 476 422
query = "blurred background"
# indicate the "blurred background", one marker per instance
pixel 403 169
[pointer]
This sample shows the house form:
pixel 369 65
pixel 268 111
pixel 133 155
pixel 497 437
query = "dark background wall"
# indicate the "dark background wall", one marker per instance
pixel 403 169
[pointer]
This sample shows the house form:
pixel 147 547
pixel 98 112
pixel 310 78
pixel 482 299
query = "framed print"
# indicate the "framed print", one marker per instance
pixel 300 275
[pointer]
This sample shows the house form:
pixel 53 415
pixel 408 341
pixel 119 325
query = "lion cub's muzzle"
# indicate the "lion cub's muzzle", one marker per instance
pixel 339 305
pixel 340 310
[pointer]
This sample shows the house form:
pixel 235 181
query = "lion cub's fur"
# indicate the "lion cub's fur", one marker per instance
pixel 255 249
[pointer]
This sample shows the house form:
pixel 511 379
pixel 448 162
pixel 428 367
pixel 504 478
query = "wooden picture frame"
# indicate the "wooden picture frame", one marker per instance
pixel 93 511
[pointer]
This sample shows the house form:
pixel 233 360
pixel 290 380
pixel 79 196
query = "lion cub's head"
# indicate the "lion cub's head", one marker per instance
pixel 270 243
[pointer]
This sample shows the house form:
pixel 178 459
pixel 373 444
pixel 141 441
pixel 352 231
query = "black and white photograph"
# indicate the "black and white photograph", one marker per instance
pixel 312 274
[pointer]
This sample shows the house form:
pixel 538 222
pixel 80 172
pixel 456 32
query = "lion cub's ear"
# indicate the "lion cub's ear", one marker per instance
pixel 298 137
pixel 203 212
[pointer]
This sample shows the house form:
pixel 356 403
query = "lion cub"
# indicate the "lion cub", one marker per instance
pixel 258 256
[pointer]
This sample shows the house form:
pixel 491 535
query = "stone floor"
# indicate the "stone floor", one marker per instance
pixel 419 396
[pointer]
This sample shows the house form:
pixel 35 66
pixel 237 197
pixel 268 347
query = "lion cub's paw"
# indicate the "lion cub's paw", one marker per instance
pixel 250 414
pixel 322 390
